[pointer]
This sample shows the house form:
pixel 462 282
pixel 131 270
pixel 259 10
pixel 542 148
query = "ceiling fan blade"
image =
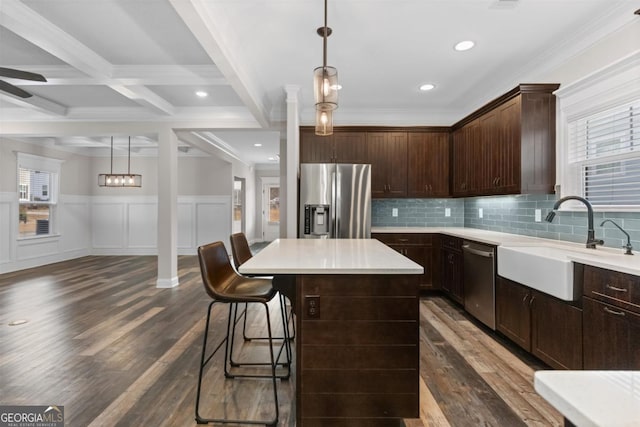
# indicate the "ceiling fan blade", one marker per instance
pixel 22 75
pixel 9 88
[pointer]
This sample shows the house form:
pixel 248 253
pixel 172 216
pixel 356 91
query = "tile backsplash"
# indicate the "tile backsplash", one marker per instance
pixel 509 214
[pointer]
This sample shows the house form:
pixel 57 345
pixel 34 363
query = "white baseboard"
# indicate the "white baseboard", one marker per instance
pixel 167 283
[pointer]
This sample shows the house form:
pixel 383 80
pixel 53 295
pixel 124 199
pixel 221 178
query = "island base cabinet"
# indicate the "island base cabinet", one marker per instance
pixel 611 337
pixel 548 328
pixel 357 349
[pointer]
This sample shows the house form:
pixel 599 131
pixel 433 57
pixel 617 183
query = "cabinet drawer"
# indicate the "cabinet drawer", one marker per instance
pixel 613 287
pixel 454 243
pixel 403 238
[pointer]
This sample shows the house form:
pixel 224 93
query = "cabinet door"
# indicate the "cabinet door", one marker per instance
pixel 428 159
pixel 513 316
pixel 316 149
pixel 467 154
pixel 452 275
pixel 350 147
pixel 611 337
pixel 387 153
pixel 556 332
pixel 507 156
pixel 485 156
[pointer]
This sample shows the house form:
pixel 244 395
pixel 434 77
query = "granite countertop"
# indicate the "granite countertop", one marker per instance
pixel 608 258
pixel 593 398
pixel 329 256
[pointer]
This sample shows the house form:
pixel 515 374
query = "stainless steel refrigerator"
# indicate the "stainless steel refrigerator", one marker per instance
pixel 335 201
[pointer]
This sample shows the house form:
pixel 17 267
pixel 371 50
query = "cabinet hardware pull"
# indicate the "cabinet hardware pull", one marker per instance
pixel 524 300
pixel 613 288
pixel 403 240
pixel 617 313
pixel 498 180
pixel 531 301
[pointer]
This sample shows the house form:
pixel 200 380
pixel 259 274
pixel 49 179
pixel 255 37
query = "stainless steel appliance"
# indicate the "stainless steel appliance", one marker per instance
pixel 335 201
pixel 479 282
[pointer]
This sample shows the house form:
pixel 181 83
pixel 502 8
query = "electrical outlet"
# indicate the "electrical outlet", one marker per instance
pixel 447 211
pixel 394 212
pixel 538 215
pixel 312 304
pixel 480 213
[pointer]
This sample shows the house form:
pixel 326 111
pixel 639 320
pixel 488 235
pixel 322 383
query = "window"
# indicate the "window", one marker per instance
pixel 604 148
pixel 37 185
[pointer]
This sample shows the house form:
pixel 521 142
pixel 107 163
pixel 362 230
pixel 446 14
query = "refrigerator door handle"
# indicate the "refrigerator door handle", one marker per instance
pixel 336 203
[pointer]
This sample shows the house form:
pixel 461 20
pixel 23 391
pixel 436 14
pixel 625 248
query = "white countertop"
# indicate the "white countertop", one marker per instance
pixel 593 398
pixel 329 256
pixel 603 257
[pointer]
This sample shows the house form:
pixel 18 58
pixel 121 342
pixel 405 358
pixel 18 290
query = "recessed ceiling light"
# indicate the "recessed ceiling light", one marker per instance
pixel 464 45
pixel 257 145
pixel 426 87
pixel 202 94
pixel 272 158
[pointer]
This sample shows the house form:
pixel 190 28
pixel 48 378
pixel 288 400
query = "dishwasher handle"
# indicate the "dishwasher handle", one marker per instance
pixel 485 254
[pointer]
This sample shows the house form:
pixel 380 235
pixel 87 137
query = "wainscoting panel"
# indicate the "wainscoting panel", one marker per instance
pixel 74 215
pixel 142 227
pixel 186 227
pixel 8 208
pixel 108 224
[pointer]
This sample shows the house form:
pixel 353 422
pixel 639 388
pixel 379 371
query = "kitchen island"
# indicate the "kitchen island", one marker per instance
pixel 357 326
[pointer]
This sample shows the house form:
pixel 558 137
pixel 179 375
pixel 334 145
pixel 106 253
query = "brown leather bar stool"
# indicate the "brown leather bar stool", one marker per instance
pixel 224 285
pixel 241 253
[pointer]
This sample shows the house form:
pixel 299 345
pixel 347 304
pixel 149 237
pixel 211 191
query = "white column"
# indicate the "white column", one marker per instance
pixel 167 209
pixel 290 172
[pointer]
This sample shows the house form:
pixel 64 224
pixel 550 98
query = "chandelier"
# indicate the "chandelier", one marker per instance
pixel 118 179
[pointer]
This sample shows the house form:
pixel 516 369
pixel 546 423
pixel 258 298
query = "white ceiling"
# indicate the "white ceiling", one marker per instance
pixel 143 60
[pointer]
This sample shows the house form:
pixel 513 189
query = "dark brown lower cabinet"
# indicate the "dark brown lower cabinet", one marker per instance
pixel 547 327
pixel 513 317
pixel 451 271
pixel 611 336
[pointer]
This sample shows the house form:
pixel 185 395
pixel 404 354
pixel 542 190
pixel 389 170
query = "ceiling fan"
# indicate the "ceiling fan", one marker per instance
pixel 18 74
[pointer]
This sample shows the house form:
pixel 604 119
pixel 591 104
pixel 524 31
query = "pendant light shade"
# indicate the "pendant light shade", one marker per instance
pixel 324 122
pixel 325 86
pixel 120 179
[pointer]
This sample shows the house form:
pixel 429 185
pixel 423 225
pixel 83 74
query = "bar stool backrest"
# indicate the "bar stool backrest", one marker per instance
pixel 216 269
pixel 240 249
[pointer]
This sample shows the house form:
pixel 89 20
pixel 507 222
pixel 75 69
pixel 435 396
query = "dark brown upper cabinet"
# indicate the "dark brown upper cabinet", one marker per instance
pixel 507 146
pixel 428 159
pixel 341 147
pixel 387 152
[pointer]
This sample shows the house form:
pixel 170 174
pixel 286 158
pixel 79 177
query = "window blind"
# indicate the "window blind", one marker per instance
pixel 606 148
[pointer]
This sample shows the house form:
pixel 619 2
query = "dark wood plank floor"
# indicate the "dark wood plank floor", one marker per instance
pixel 101 340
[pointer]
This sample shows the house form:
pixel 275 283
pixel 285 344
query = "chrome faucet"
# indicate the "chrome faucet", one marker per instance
pixel 591 239
pixel 628 246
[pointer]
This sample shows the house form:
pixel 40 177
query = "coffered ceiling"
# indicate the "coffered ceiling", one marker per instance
pixel 144 60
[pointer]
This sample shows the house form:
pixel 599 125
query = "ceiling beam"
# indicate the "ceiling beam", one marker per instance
pixel 196 16
pixel 36 103
pixel 36 29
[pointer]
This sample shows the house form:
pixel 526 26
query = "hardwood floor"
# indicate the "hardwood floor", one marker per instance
pixel 114 350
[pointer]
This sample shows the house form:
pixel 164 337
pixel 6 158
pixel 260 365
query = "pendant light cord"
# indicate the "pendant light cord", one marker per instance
pixel 129 164
pixel 111 155
pixel 324 39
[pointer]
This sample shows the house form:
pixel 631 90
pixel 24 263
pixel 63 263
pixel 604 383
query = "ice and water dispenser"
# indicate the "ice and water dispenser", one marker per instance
pixel 317 220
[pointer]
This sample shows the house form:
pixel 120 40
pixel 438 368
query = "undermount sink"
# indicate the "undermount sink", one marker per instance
pixel 545 268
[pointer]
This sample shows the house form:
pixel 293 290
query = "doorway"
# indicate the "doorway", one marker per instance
pixel 238 225
pixel 270 208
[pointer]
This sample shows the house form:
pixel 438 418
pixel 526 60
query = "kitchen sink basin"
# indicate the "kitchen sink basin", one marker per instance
pixel 545 268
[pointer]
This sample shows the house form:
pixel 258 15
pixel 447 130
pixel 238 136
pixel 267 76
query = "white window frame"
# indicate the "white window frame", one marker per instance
pixel 43 164
pixel 614 85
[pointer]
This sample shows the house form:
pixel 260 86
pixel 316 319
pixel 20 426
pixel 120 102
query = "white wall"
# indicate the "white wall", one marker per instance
pixel 261 173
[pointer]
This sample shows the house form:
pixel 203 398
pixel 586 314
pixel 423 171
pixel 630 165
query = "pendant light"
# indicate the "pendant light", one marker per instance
pixel 120 180
pixel 325 86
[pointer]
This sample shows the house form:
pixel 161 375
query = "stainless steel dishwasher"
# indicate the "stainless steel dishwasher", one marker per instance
pixel 479 282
